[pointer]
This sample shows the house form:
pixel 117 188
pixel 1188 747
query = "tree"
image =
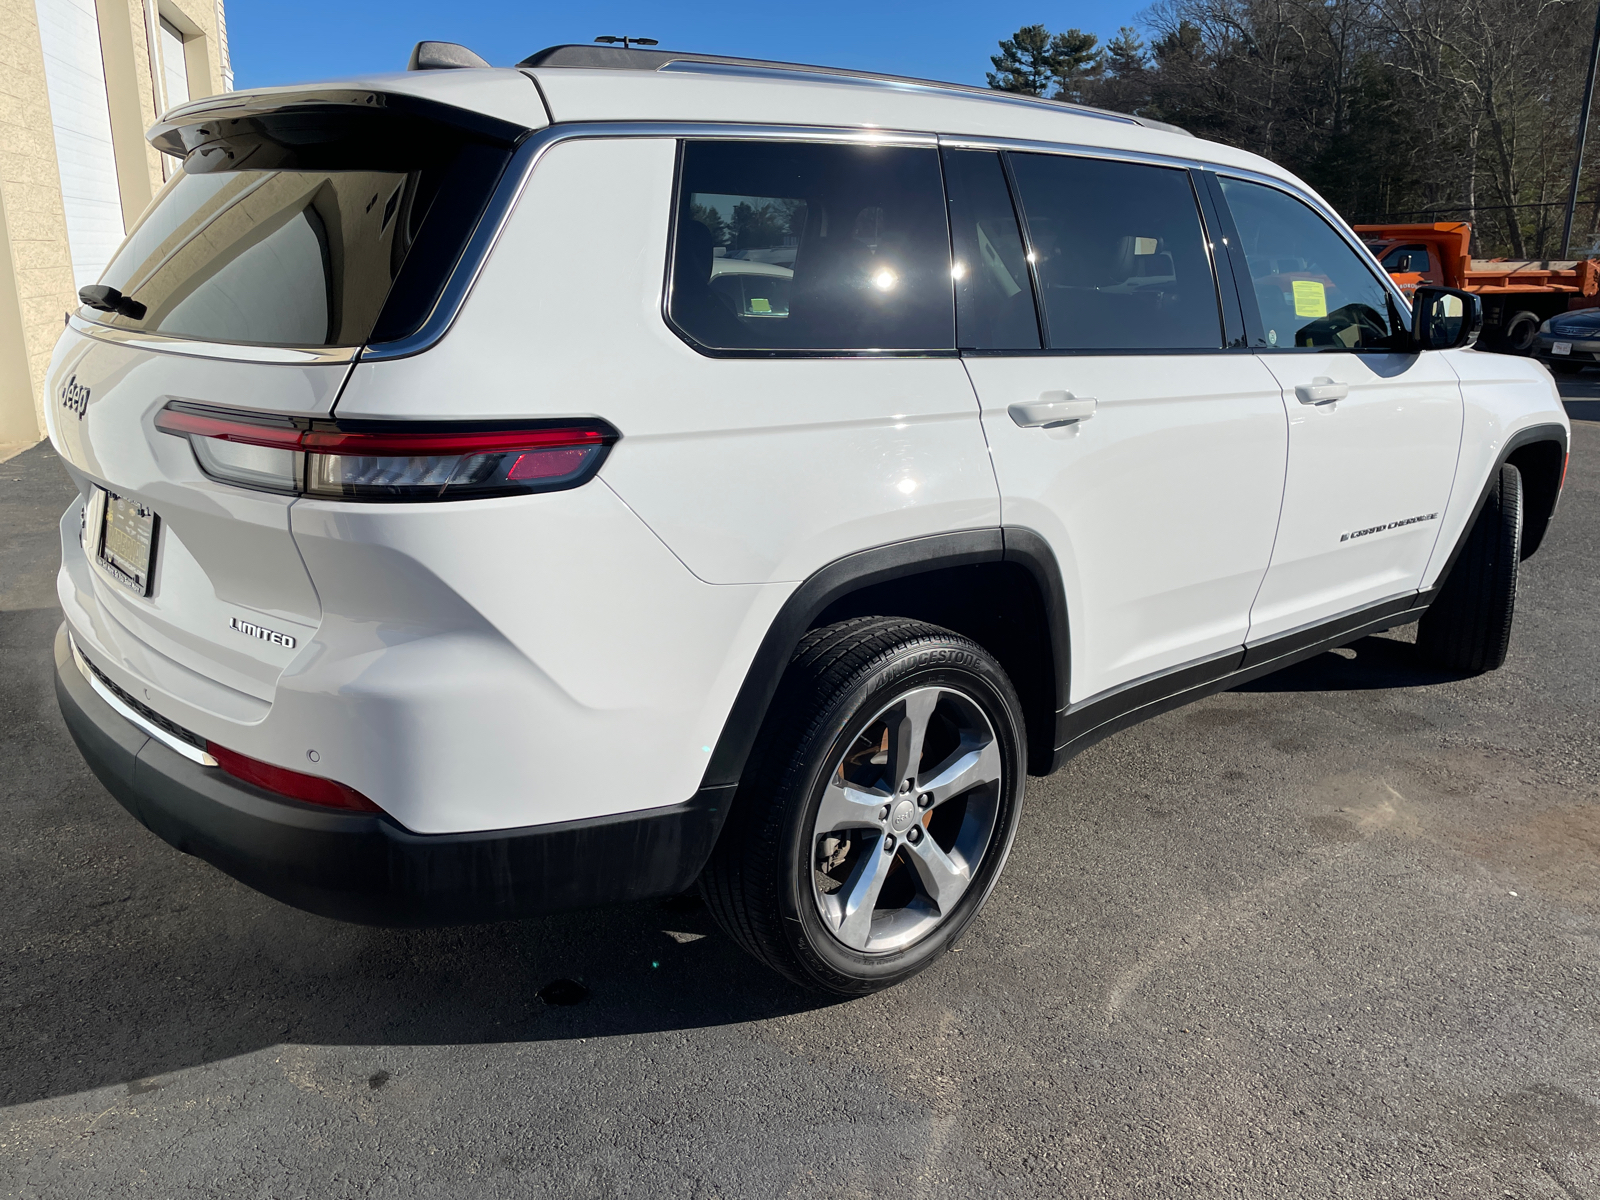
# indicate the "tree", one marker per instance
pixel 1035 62
pixel 1078 63
pixel 1025 63
pixel 1125 54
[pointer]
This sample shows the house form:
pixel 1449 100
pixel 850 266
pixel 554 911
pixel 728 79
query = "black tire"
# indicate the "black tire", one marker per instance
pixel 1468 628
pixel 765 882
pixel 1518 334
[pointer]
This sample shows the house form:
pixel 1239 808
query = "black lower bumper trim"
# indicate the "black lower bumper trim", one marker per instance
pixel 367 868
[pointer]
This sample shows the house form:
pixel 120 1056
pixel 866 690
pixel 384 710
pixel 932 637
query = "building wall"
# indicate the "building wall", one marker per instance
pixel 36 283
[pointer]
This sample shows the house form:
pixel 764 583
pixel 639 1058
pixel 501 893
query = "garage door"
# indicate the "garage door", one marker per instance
pixel 76 80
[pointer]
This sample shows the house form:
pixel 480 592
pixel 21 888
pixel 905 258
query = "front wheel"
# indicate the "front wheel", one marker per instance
pixel 880 808
pixel 1468 627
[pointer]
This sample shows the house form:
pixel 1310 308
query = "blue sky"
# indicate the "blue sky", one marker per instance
pixel 291 41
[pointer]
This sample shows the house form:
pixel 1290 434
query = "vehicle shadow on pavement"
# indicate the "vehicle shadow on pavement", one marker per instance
pixel 188 968
pixel 1370 664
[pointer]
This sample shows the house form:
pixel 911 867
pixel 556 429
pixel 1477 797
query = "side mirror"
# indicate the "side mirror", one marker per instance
pixel 1445 318
pixel 1403 266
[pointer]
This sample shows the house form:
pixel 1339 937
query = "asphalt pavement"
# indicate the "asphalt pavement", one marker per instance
pixel 1335 934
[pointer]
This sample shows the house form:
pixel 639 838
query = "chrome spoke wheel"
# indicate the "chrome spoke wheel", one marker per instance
pixel 905 818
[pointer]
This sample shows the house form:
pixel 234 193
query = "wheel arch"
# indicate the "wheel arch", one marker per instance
pixel 1543 448
pixel 1543 464
pixel 999 586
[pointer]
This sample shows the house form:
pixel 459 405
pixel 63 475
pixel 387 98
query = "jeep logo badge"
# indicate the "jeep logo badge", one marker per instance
pixel 75 397
pixel 251 629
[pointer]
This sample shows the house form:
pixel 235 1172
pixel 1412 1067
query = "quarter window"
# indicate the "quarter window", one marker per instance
pixel 1120 253
pixel 784 246
pixel 1313 290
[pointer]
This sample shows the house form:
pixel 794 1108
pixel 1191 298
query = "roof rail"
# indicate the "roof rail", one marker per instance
pixel 618 59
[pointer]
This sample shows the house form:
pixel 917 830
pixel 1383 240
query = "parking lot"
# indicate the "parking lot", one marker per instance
pixel 1334 934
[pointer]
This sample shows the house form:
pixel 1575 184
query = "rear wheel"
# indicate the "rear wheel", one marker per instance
pixel 1468 628
pixel 880 808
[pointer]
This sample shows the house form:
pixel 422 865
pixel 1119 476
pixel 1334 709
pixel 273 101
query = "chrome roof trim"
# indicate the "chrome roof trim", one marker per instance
pixel 803 74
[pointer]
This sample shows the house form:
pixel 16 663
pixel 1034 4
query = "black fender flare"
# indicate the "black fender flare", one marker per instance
pixel 1523 437
pixel 864 568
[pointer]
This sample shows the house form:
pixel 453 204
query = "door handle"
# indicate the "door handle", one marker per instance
pixel 1321 390
pixel 1052 409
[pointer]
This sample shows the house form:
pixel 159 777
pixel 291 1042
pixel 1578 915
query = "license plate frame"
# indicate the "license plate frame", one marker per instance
pixel 1561 348
pixel 121 534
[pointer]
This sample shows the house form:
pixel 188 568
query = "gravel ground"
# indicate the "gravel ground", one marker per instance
pixel 1334 934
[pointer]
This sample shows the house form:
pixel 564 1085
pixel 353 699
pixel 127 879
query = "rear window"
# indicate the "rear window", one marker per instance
pixel 308 258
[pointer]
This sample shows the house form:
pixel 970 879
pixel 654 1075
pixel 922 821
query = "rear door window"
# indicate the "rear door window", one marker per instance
pixel 812 247
pixel 1313 290
pixel 1120 254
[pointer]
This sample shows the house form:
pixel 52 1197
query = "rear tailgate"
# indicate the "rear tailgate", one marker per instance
pixel 306 224
pixel 221 556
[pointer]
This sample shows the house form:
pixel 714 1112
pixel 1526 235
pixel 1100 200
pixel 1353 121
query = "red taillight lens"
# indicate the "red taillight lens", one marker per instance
pixel 334 461
pixel 313 789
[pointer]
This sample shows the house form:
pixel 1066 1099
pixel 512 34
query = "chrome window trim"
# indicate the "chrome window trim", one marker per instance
pixel 515 181
pixel 228 351
pixel 1323 210
pixel 491 225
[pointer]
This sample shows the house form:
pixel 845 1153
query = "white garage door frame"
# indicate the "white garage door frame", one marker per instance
pixel 75 78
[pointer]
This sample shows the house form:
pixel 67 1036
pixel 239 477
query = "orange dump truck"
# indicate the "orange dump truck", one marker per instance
pixel 1518 294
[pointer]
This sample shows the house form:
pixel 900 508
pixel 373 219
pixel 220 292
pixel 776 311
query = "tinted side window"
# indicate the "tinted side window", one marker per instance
pixel 1313 290
pixel 1406 258
pixel 812 247
pixel 994 296
pixel 1121 255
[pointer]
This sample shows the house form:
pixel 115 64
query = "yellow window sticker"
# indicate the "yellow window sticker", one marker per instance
pixel 1310 298
pixel 760 305
pixel 1145 245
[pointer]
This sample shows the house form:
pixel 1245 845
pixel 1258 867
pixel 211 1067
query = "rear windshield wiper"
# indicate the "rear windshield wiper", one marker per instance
pixel 108 299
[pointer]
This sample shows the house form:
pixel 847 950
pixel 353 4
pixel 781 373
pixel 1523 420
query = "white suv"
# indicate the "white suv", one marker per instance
pixel 504 490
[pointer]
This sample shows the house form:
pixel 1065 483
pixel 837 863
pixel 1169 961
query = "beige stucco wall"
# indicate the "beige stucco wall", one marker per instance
pixel 39 271
pixel 35 264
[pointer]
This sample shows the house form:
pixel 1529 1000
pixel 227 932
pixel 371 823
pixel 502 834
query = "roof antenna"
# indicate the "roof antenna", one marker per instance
pixel 628 42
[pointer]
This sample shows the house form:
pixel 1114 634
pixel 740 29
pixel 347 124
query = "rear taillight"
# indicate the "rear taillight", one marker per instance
pixel 379 461
pixel 313 789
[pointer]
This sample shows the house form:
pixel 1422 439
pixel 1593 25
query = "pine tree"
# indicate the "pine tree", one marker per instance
pixel 1125 54
pixel 1076 63
pixel 1025 63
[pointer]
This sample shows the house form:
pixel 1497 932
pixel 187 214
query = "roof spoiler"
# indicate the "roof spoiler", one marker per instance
pixel 322 128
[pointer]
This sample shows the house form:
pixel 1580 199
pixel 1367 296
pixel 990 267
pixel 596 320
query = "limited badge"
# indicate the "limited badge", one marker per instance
pixel 251 629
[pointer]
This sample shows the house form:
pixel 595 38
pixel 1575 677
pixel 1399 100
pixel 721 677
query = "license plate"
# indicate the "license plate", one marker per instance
pixel 1561 348
pixel 124 539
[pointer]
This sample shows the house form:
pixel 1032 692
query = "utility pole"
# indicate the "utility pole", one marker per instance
pixel 1583 134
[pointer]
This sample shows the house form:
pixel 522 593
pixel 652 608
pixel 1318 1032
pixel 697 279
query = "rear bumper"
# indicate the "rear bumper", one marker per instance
pixel 367 868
